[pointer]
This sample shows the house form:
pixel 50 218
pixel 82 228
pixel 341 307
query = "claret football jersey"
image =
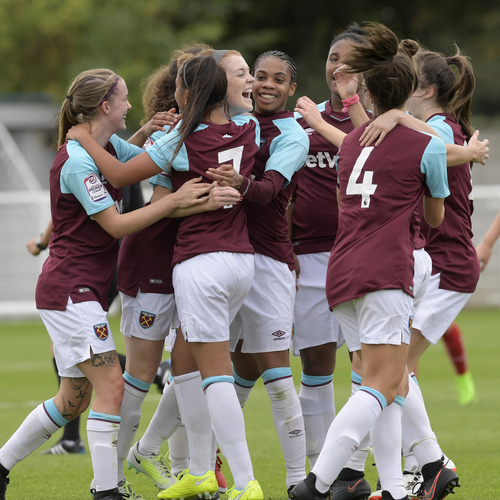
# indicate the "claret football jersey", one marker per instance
pixel 82 255
pixel 210 145
pixel 450 245
pixel 380 188
pixel 284 147
pixel 315 213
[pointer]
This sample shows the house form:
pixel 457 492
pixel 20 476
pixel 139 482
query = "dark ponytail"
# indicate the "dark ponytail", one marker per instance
pixel 206 82
pixel 389 72
pixel 453 89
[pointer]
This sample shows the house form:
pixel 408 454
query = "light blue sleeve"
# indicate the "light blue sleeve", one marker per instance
pixel 124 150
pixel 288 151
pixel 245 118
pixel 163 180
pixel 433 166
pixel 321 107
pixel 162 150
pixel 81 178
pixel 437 122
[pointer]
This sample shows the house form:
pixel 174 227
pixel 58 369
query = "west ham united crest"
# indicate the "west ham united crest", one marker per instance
pixel 146 319
pixel 101 331
pixel 410 322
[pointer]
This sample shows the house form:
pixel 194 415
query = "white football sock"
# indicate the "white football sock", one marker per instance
pixel 348 429
pixel 229 427
pixel 195 416
pixel 178 450
pixel 418 436
pixel 288 421
pixel 416 387
pixel 318 408
pixel 386 441
pixel 358 459
pixel 102 433
pixel 163 424
pixel 36 429
pixel 130 415
pixel 243 388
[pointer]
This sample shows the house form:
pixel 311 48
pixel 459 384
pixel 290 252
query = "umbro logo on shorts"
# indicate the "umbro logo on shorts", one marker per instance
pixel 295 433
pixel 146 320
pixel 279 335
pixel 101 331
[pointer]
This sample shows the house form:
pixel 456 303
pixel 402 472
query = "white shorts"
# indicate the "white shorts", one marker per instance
pixel 170 339
pixel 209 291
pixel 148 316
pixel 75 332
pixel 315 324
pixel 381 317
pixel 438 310
pixel 421 277
pixel 264 321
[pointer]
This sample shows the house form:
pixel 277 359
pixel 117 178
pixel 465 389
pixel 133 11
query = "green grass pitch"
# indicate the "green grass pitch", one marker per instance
pixel 470 435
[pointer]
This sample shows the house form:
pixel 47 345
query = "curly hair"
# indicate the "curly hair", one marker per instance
pixel 159 87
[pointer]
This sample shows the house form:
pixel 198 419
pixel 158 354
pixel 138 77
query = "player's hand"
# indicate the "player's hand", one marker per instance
pixel 32 247
pixel 164 120
pixel 77 131
pixel 226 175
pixel 481 149
pixel 484 254
pixel 378 129
pixel 309 111
pixel 347 83
pixel 192 192
pixel 222 197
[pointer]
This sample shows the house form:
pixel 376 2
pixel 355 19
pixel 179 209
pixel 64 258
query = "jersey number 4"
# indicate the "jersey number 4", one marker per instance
pixel 365 188
pixel 235 154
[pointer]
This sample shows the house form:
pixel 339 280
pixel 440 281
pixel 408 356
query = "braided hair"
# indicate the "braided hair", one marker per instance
pixel 278 55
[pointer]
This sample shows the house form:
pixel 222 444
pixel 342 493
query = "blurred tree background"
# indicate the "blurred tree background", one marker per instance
pixel 44 44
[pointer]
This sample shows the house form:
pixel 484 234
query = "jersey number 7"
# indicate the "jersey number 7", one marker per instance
pixel 365 188
pixel 235 154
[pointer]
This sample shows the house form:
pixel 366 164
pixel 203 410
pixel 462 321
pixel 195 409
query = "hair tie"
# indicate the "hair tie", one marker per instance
pixel 449 60
pixel 218 55
pixel 70 98
pixel 349 102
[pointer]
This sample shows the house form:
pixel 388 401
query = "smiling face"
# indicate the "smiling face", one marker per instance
pixel 118 106
pixel 272 85
pixel 239 84
pixel 336 56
